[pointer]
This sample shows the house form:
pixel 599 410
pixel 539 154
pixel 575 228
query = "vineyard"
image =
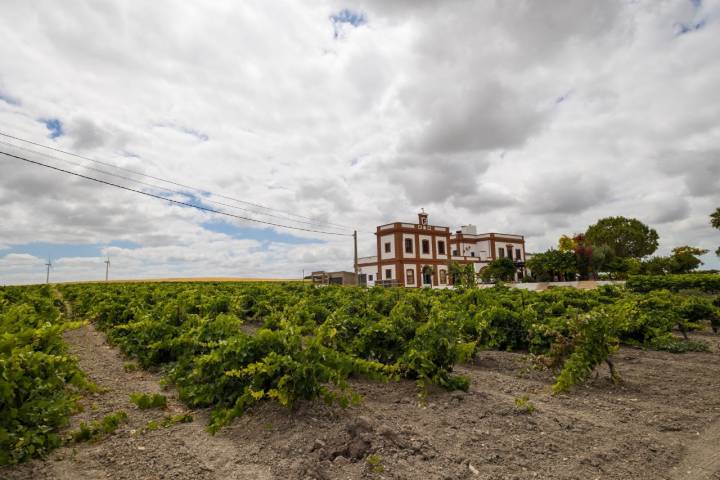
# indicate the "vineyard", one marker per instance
pixel 231 348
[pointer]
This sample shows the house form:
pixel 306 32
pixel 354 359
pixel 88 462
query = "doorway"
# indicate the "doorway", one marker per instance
pixel 427 276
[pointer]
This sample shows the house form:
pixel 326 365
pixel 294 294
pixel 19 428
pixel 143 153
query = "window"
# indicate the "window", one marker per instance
pixel 426 246
pixel 443 277
pixel 472 254
pixel 408 245
pixel 454 252
pixel 388 274
pixel 501 252
pixel 518 255
pixel 387 247
pixel 370 278
pixel 410 276
pixel 441 247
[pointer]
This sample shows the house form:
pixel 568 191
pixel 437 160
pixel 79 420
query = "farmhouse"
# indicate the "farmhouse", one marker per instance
pixel 420 254
pixel 322 277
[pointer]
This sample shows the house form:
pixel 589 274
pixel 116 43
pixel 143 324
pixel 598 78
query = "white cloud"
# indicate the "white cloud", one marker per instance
pixel 452 106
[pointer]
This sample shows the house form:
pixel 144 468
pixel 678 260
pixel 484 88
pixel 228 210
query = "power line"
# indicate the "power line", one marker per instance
pixel 177 202
pixel 134 172
pixel 152 185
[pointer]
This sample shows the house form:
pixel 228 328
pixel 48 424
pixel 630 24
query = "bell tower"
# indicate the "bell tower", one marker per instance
pixel 423 218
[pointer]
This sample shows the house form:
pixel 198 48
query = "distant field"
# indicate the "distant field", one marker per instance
pixel 191 279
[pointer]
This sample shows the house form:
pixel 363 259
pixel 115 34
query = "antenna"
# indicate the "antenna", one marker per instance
pixel 48 265
pixel 107 268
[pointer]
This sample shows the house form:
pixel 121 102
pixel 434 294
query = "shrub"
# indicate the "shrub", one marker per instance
pixel 146 401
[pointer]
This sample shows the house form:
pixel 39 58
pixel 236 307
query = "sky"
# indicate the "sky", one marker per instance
pixel 529 117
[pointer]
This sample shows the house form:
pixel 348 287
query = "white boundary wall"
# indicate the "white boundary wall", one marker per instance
pixel 582 284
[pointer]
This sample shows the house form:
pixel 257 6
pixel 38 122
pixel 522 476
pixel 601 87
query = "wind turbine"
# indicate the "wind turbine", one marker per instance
pixel 107 268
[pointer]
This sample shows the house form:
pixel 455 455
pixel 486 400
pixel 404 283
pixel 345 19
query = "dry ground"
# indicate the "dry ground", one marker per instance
pixel 663 422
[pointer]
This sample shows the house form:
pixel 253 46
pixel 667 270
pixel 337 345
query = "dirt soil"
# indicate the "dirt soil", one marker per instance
pixel 663 422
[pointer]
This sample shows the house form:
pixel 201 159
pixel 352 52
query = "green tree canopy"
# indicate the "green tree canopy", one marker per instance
pixel 715 222
pixel 551 264
pixel 463 276
pixel 501 269
pixel 627 237
pixel 715 218
pixel 601 258
pixel 685 259
pixel 566 244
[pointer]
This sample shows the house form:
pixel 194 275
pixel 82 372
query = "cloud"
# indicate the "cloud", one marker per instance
pixel 435 178
pixel 565 193
pixel 669 210
pixel 87 135
pixel 700 170
pixel 357 115
pixel 474 117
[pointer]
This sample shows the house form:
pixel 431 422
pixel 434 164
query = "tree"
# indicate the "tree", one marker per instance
pixel 553 265
pixel 583 255
pixel 684 259
pixel 501 269
pixel 463 276
pixel 582 249
pixel 621 267
pixel 655 266
pixel 715 218
pixel 715 222
pixel 601 259
pixel 627 237
pixel 566 244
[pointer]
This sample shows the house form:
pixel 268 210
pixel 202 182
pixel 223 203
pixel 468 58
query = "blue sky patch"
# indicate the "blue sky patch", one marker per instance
pixel 60 250
pixel 203 137
pixel 259 234
pixel 200 136
pixel 194 200
pixel 55 126
pixel 4 97
pixel 683 28
pixel 346 16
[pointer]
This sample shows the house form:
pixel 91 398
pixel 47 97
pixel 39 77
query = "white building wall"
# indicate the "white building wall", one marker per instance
pixel 412 267
pixel 412 238
pixel 370 270
pixel 393 274
pixel 387 239
pixel 440 276
pixel 482 250
pixel 428 255
pixel 503 245
pixel 439 240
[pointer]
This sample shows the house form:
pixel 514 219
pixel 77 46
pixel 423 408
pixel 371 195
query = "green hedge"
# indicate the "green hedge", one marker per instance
pixel 696 281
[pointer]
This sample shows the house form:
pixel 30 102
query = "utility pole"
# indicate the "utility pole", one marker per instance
pixel 48 265
pixel 355 264
pixel 303 276
pixel 107 268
